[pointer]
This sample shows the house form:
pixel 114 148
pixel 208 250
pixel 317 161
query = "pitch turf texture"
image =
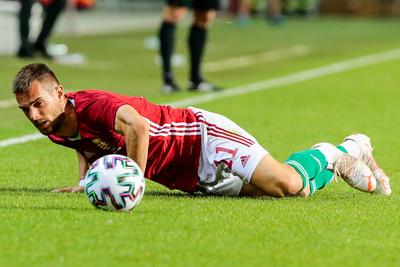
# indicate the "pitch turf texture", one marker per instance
pixel 337 227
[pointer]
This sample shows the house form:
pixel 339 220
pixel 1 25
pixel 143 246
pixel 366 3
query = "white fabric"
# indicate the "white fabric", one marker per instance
pixel 229 155
pixel 330 152
pixel 82 182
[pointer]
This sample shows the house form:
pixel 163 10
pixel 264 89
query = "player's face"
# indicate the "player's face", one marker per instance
pixel 43 105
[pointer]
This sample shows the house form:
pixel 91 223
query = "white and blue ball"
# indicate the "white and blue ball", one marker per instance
pixel 115 183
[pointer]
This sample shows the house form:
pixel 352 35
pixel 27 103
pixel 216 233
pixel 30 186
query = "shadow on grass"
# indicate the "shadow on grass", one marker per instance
pixel 25 190
pixel 63 208
pixel 331 196
pixel 179 194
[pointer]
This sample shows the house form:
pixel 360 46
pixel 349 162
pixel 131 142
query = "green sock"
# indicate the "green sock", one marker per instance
pixel 308 163
pixel 323 178
pixel 341 148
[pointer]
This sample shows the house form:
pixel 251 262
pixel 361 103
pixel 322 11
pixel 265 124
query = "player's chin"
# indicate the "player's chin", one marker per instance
pixel 45 130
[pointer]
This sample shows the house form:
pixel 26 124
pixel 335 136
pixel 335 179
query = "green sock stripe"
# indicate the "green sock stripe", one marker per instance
pixel 319 157
pixel 297 165
pixel 342 149
pixel 300 170
pixel 332 177
pixel 317 160
pixel 313 187
pixel 324 178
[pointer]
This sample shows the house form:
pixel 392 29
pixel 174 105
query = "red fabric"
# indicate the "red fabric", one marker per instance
pixel 173 154
pixel 46 2
pixel 80 4
pixel 84 4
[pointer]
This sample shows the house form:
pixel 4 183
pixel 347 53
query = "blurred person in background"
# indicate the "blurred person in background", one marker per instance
pixel 296 7
pixel 204 12
pixel 51 11
pixel 274 11
pixel 243 9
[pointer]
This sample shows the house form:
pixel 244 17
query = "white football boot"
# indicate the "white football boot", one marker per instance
pixel 352 170
pixel 365 155
pixel 355 172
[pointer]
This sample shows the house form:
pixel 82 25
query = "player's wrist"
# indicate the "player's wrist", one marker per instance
pixel 82 181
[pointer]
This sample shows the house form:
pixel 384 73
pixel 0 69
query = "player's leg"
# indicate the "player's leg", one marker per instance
pixel 228 150
pixel 173 12
pixel 250 190
pixel 303 173
pixel 204 13
pixel 274 9
pixel 51 13
pixel 276 179
pixel 359 146
pixel 23 17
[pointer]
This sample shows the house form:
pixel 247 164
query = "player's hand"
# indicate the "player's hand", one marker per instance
pixel 74 189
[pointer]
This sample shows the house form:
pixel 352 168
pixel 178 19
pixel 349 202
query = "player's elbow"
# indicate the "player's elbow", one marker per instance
pixel 143 127
pixel 137 129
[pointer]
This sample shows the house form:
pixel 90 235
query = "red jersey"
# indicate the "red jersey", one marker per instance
pixel 174 141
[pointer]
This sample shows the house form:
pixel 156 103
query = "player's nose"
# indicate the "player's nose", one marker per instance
pixel 33 114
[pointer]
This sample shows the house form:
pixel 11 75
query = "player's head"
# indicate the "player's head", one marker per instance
pixel 40 96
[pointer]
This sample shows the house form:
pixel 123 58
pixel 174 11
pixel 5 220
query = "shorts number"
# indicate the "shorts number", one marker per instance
pixel 232 152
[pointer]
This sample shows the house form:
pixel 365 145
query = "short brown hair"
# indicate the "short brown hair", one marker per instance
pixel 30 73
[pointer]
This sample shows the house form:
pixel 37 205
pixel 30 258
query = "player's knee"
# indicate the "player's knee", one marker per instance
pixel 290 184
pixel 202 19
pixel 174 14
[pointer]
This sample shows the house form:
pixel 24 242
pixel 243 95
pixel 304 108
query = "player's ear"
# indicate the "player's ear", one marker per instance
pixel 60 91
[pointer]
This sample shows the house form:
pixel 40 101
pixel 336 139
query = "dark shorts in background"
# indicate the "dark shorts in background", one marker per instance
pixel 202 5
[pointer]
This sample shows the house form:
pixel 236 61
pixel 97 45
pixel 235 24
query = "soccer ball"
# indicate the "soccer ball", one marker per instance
pixel 114 182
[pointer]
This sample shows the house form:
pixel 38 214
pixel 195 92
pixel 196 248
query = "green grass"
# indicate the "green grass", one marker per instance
pixel 337 227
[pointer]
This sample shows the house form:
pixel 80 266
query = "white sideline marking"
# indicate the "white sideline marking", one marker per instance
pixel 21 139
pixel 7 103
pixel 268 56
pixel 305 75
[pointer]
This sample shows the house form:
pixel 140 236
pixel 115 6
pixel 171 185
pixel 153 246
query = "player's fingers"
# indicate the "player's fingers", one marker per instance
pixel 77 189
pixel 67 190
pixel 60 190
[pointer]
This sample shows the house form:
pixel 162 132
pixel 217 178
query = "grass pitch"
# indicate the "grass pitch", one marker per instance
pixel 337 227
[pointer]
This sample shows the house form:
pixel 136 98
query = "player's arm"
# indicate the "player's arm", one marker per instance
pixel 83 167
pixel 136 131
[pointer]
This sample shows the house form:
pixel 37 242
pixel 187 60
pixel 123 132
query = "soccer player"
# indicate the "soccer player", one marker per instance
pixel 204 12
pixel 189 149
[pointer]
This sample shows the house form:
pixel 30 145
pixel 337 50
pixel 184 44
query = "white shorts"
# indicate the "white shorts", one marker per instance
pixel 229 155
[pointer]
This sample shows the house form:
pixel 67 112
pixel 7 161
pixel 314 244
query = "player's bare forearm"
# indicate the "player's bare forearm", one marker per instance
pixel 136 131
pixel 83 165
pixel 137 143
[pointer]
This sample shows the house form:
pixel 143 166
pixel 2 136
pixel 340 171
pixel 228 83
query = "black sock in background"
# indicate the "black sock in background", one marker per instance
pixel 52 12
pixel 167 40
pixel 197 40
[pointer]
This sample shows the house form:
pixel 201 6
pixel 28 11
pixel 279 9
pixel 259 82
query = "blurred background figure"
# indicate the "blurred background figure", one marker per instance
pixel 51 11
pixel 244 9
pixel 300 8
pixel 274 11
pixel 204 12
pixel 241 10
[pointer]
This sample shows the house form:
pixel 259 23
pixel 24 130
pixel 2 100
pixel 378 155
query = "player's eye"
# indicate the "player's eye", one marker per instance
pixel 38 104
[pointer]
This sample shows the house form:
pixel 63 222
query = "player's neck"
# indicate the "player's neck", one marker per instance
pixel 69 125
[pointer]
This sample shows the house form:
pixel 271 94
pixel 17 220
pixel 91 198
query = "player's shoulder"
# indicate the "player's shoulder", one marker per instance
pixel 90 93
pixel 92 97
